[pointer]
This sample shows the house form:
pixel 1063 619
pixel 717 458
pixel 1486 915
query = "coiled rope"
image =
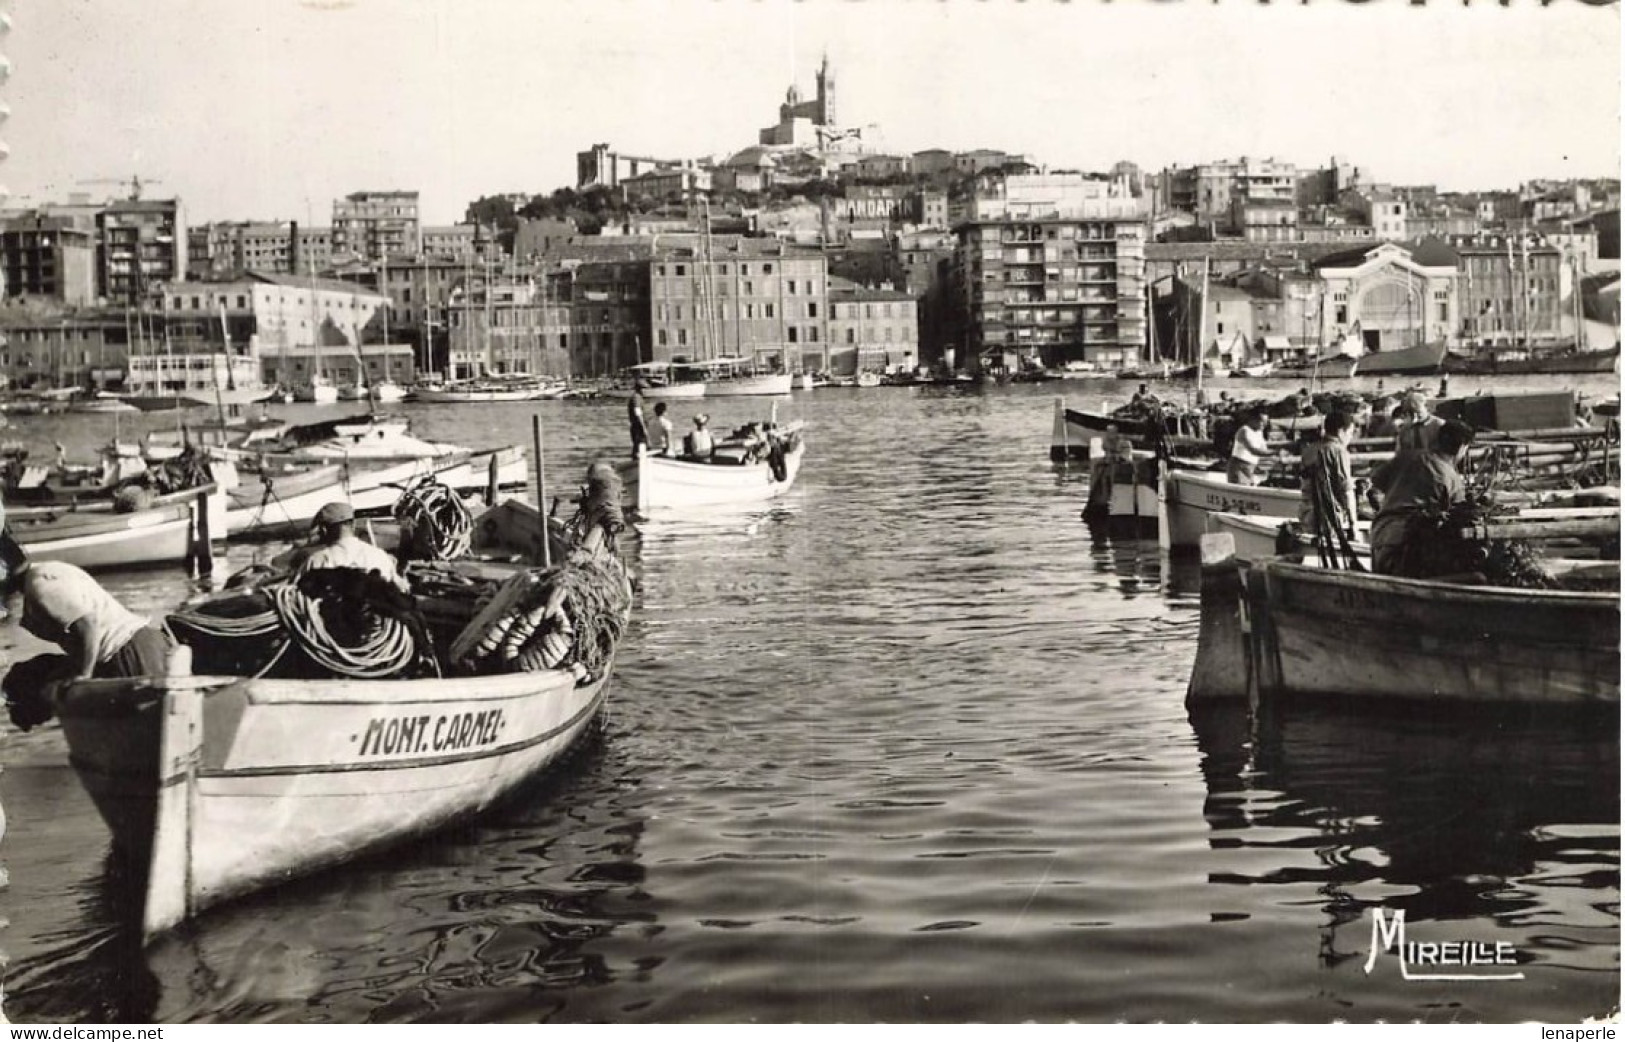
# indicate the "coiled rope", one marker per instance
pixel 386 647
pixel 440 526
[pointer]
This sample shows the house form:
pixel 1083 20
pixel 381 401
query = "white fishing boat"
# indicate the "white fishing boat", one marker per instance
pixel 477 391
pixel 868 379
pixel 660 380
pixel 96 537
pixel 217 786
pixel 658 483
pixel 1191 497
pixel 387 391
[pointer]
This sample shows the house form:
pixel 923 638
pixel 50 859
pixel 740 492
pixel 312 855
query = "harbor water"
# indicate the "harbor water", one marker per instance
pixel 909 745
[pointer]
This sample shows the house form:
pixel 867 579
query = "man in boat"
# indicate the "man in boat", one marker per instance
pixel 1418 428
pixel 698 444
pixel 335 545
pixel 1419 489
pixel 660 444
pixel 634 418
pixel 63 605
pixel 1248 449
pixel 1327 477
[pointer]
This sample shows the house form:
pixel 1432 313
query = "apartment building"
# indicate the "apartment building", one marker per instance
pixel 370 225
pixel 49 256
pixel 1051 269
pixel 228 249
pixel 1209 190
pixel 142 245
pixel 53 346
pixel 1510 289
pixel 738 297
pixel 870 330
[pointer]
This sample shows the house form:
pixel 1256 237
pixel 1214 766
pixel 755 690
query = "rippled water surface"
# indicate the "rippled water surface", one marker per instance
pixel 910 745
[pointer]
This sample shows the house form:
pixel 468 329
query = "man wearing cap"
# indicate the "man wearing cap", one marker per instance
pixel 1418 428
pixel 65 606
pixel 337 546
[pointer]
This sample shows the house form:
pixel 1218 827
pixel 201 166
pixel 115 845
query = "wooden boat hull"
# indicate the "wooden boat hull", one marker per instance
pixel 654 483
pixel 223 786
pixel 1421 360
pixel 1316 633
pixel 1255 537
pixel 1192 497
pixel 1074 429
pixel 95 537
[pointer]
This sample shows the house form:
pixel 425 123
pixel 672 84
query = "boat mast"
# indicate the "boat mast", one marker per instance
pixel 1201 337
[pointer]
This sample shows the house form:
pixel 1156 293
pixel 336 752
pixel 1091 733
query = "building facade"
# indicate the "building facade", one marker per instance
pixel 50 257
pixel 143 244
pixel 738 298
pixel 870 330
pixel 1386 297
pixel 369 225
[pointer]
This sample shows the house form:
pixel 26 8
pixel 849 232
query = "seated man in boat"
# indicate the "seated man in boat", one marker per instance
pixel 698 443
pixel 65 606
pixel 1248 449
pixel 337 546
pixel 1419 490
pixel 1326 477
pixel 662 436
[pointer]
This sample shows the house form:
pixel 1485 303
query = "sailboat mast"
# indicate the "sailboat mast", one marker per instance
pixel 1201 340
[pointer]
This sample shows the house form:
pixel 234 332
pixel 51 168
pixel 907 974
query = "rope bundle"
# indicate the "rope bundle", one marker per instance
pixel 385 647
pixel 435 524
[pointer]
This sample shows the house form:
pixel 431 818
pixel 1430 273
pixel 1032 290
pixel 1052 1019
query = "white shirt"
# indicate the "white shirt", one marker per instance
pixel 351 551
pixel 1250 446
pixel 57 594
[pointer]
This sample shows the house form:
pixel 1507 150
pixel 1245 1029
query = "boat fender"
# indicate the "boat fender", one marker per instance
pixel 523 629
pixel 558 643
pixel 492 640
pixel 776 462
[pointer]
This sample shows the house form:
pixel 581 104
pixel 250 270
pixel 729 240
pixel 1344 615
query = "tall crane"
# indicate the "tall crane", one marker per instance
pixel 135 182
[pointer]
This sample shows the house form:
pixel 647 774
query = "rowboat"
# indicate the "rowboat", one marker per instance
pixel 218 786
pixel 658 483
pixel 1275 629
pixel 102 539
pixel 1191 497
pixel 281 501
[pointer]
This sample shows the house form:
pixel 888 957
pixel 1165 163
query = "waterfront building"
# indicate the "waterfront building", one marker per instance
pixel 870 330
pixel 503 324
pixel 1388 296
pixel 1051 269
pixel 369 225
pixel 341 364
pixel 738 297
pixel 46 345
pixel 685 181
pixel 609 315
pixel 1511 290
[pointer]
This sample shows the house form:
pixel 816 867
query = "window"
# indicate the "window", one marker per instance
pixel 677 312
pixel 767 310
pixel 1220 329
pixel 851 336
pixel 660 269
pixel 682 338
pixel 750 288
pixel 767 269
pixel 680 269
pixel 790 286
pixel 660 337
pixel 812 309
pixel 812 336
pixel 1342 314
pixel 793 334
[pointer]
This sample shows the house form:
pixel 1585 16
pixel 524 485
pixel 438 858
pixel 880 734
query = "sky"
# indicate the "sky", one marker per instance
pixel 271 109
